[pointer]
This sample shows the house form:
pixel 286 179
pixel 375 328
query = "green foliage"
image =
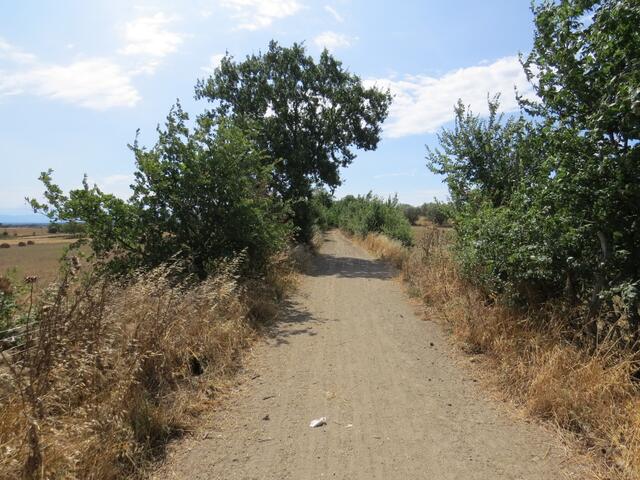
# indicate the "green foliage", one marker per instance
pixel 198 195
pixel 370 214
pixel 310 115
pixel 436 212
pixel 8 304
pixel 412 213
pixel 547 206
pixel 321 203
pixel 488 157
pixel 70 228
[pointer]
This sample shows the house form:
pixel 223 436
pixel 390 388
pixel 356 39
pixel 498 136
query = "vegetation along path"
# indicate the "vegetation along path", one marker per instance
pixel 351 348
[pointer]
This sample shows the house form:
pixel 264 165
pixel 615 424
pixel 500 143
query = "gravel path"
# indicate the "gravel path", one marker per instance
pixel 398 404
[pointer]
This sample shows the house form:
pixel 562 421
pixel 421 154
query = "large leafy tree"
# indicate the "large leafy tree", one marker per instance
pixel 484 159
pixel 548 205
pixel 197 196
pixel 311 115
pixel 585 66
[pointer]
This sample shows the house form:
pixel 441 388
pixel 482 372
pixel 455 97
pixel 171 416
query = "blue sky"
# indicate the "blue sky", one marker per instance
pixel 78 78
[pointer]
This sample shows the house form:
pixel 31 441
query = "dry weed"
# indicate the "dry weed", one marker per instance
pixel 107 373
pixel 385 248
pixel 534 357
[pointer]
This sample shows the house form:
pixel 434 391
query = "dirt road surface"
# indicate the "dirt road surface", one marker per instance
pixel 398 403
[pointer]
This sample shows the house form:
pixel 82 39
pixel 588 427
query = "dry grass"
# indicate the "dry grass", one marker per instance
pixel 23 231
pixel 113 371
pixel 54 238
pixel 384 247
pixel 533 359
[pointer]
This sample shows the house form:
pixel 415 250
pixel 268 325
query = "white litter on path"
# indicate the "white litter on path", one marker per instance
pixel 318 422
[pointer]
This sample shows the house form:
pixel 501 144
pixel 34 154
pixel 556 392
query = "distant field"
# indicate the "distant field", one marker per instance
pixel 418 230
pixel 40 259
pixel 22 232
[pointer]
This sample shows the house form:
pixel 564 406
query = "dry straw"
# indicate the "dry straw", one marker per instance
pixel 108 372
pixel 535 358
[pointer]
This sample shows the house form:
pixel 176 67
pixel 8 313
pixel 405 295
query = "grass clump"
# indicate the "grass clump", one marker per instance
pixel 538 359
pixel 108 371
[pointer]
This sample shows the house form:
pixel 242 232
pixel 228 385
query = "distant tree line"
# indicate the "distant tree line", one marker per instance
pixel 361 215
pixel 438 213
pixel 69 228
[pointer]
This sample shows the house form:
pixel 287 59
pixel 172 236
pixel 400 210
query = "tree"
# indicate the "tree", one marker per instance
pixel 310 115
pixel 197 196
pixel 436 212
pixel 546 206
pixel 483 159
pixel 585 65
pixel 412 213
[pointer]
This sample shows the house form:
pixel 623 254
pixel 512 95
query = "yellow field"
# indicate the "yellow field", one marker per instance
pixel 40 259
pixel 14 232
pixel 419 229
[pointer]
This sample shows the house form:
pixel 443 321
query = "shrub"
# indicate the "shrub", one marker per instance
pixel 22 244
pixel 436 212
pixel 5 245
pixel 199 196
pixel 320 205
pixel 30 242
pixel 412 213
pixel 370 214
pixel 7 305
pixel 546 203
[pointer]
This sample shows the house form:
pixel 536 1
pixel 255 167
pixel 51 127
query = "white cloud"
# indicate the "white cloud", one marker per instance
pixel 98 83
pixel 257 14
pixel 149 36
pixel 118 185
pixel 422 104
pixel 214 62
pixel 334 13
pixel 95 83
pixel 332 40
pixel 14 54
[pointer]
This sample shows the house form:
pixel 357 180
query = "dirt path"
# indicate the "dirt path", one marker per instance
pixel 352 349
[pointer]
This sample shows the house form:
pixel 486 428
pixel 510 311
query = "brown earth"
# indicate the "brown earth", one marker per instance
pixel 398 403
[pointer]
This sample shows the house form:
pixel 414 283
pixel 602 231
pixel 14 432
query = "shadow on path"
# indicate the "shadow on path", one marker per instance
pixel 293 320
pixel 350 267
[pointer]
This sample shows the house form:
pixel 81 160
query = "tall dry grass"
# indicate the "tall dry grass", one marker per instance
pixel 536 358
pixel 384 247
pixel 108 372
